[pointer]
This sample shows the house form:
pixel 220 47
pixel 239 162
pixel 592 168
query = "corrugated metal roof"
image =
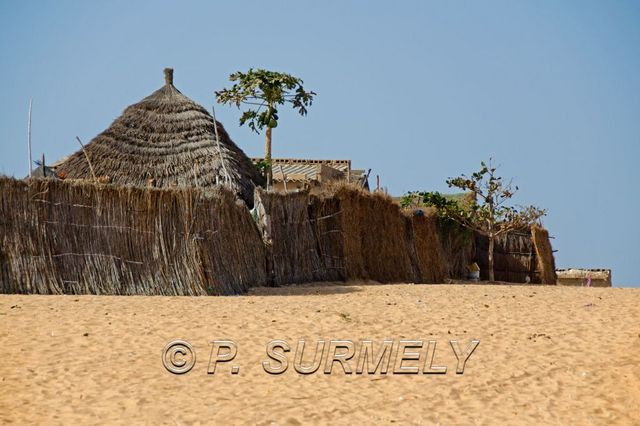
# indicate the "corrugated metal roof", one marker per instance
pixel 301 170
pixel 295 168
pixel 309 171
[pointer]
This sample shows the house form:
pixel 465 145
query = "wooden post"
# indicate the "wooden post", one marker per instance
pixel 267 156
pixel 490 265
pixel 195 173
pixel 29 140
pixel 377 183
pixel 284 178
pixel 93 174
pixel 215 130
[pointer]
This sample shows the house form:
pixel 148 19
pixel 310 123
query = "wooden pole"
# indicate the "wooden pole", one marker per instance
pixel 377 183
pixel 195 173
pixel 366 179
pixel 215 130
pixel 267 156
pixel 29 140
pixel 87 157
pixel 284 178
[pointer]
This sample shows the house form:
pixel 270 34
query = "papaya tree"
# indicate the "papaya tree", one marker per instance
pixel 490 215
pixel 262 92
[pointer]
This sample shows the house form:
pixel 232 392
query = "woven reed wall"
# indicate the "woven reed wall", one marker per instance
pixel 546 265
pixel 458 245
pixel 292 251
pixel 348 234
pixel 65 237
pixel 75 237
pixel 423 239
pixel 514 257
pixel 518 255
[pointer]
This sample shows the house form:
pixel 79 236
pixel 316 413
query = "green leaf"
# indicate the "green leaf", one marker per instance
pixel 266 89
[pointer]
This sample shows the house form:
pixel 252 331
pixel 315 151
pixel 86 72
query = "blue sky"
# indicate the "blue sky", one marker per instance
pixel 416 90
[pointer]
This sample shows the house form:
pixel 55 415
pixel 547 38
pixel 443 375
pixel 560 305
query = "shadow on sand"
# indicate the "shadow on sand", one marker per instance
pixel 310 289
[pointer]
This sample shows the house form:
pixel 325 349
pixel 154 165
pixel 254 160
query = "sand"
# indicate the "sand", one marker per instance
pixel 547 355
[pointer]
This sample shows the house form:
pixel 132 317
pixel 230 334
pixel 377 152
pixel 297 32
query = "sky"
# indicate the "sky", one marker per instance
pixel 418 91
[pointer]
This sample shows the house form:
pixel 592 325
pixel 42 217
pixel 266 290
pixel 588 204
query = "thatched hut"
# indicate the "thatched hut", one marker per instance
pixel 165 140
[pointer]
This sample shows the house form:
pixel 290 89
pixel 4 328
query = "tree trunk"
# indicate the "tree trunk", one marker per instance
pixel 267 156
pixel 491 243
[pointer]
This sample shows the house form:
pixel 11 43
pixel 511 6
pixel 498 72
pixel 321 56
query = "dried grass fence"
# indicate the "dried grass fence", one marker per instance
pixel 546 265
pixel 325 216
pixel 292 252
pixel 347 234
pixel 74 237
pixel 518 255
pixel 373 230
pixel 514 257
pixel 64 237
pixel 458 245
pixel 430 263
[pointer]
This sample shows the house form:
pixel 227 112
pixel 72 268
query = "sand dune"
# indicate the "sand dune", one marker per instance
pixel 547 355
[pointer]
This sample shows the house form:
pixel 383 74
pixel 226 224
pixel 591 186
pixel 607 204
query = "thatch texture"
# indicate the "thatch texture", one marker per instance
pixel 423 240
pixel 514 257
pixel 517 256
pixel 326 219
pixel 78 237
pixel 458 245
pixel 373 231
pixel 75 237
pixel 165 140
pixel 291 244
pixel 345 233
pixel 546 264
pixel 356 235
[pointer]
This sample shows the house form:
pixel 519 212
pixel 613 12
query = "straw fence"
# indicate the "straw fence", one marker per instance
pixel 62 237
pixel 292 253
pixel 546 266
pixel 75 237
pixel 514 257
pixel 348 234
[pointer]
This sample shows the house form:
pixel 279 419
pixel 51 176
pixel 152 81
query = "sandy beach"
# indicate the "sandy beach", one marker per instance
pixel 547 355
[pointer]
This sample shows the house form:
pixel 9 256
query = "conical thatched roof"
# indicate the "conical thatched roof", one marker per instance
pixel 165 140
